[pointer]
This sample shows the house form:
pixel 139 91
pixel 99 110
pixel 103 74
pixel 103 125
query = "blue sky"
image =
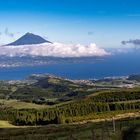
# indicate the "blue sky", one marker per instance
pixel 104 22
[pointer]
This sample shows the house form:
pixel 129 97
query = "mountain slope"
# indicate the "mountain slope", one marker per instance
pixel 29 39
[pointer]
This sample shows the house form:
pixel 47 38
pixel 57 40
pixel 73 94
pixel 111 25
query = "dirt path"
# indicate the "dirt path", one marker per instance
pixel 116 117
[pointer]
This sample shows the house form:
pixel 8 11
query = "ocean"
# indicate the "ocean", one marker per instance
pixel 115 65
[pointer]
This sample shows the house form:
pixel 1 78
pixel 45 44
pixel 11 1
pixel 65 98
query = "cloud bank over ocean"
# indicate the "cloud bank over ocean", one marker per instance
pixel 55 49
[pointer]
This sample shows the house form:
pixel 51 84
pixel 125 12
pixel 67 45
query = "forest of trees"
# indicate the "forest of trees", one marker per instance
pixel 63 114
pixel 101 103
pixel 118 95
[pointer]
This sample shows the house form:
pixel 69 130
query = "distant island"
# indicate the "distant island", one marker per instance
pixel 28 39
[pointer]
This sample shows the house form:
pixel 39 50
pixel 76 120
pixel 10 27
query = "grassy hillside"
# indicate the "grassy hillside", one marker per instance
pixel 47 99
pixel 20 105
pixel 43 89
pixel 105 103
pixel 126 129
pixel 61 109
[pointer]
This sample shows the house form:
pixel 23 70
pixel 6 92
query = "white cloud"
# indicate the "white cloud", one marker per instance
pixel 55 49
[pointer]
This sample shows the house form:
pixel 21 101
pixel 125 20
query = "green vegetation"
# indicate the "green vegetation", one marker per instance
pixel 78 110
pixel 46 89
pixel 62 104
pixel 116 95
pixel 20 105
pixel 126 129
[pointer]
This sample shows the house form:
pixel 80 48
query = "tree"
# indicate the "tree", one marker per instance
pixel 60 119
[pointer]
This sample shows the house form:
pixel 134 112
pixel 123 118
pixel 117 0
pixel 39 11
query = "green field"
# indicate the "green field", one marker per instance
pixel 128 128
pixel 20 105
pixel 6 124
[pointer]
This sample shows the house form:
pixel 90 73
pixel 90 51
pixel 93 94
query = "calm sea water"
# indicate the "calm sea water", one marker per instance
pixel 118 65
